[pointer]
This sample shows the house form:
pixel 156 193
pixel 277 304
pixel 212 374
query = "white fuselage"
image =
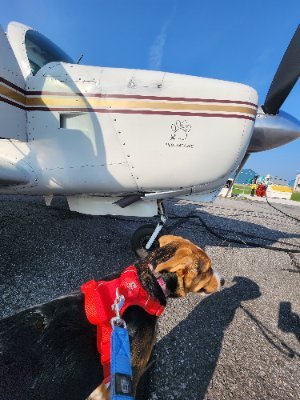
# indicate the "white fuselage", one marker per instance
pixel 105 130
pixel 111 132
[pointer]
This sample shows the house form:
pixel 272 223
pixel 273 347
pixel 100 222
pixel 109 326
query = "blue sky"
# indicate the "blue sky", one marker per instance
pixel 230 40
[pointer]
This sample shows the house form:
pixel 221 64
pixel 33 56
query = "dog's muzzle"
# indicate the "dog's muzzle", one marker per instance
pixel 220 279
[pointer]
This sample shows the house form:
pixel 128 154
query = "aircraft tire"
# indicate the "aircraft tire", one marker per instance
pixel 140 238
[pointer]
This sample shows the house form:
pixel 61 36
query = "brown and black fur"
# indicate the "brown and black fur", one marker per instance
pixel 49 352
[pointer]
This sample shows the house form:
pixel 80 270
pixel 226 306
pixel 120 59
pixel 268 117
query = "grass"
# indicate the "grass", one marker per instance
pixel 295 196
pixel 245 189
pixel 241 189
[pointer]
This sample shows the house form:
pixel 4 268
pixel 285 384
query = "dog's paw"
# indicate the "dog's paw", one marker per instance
pixel 100 393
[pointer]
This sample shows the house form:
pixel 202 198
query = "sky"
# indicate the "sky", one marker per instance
pixel 230 40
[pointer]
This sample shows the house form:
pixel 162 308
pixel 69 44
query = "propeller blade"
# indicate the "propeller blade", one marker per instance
pixel 286 76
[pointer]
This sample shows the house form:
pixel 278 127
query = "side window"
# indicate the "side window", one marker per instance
pixel 41 51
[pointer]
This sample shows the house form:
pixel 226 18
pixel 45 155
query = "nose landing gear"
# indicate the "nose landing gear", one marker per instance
pixel 145 238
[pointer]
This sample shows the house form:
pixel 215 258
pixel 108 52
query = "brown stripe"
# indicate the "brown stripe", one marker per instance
pixel 121 96
pixel 20 98
pixel 132 96
pixel 12 94
pixel 12 85
pixel 105 110
pixel 149 112
pixel 45 92
pixel 12 103
pixel 110 103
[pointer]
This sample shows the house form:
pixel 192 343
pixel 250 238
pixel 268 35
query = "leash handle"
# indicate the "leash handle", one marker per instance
pixel 121 387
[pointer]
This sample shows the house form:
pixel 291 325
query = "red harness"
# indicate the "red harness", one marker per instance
pixel 99 298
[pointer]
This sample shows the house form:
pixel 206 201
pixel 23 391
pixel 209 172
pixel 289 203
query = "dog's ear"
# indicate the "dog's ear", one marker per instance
pixel 181 260
pixel 166 239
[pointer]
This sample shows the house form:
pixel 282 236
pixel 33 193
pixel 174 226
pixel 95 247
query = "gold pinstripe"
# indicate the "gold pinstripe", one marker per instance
pixel 126 104
pixel 91 102
pixel 12 94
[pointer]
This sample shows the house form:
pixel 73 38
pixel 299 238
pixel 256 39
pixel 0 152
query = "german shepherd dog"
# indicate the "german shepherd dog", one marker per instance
pixel 49 352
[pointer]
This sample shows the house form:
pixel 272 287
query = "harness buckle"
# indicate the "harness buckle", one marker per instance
pixel 116 307
pixel 119 322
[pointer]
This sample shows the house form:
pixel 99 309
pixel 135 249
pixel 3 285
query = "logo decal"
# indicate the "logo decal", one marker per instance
pixel 123 385
pixel 179 135
pixel 131 285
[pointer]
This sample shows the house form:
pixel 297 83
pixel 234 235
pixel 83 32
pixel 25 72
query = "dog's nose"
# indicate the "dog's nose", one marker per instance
pixel 222 281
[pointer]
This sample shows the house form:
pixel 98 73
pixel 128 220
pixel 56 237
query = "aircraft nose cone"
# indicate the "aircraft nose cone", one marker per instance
pixel 271 131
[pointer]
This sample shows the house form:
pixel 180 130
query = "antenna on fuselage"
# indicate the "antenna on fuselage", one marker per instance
pixel 79 59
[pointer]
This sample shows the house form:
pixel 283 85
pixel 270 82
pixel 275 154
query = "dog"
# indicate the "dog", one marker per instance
pixel 49 352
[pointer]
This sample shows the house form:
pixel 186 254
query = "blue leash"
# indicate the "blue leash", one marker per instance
pixel 121 387
pixel 120 367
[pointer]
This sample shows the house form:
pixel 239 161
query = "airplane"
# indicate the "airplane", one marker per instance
pixel 120 141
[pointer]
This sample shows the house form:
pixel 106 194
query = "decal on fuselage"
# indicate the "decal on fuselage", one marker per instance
pixel 179 135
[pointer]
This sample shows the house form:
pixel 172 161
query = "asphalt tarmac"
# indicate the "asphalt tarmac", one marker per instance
pixel 240 343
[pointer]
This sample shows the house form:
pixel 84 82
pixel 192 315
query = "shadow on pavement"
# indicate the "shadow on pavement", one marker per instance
pixel 238 233
pixel 189 353
pixel 288 321
pixel 271 337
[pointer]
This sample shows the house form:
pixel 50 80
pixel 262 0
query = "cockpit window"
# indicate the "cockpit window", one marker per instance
pixel 41 51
